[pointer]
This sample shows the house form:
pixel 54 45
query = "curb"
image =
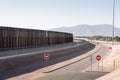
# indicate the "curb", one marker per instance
pixel 71 61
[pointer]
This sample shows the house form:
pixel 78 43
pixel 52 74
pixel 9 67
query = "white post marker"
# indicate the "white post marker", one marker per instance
pixel 46 57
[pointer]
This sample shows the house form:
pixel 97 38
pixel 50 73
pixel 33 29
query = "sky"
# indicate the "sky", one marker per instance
pixel 47 14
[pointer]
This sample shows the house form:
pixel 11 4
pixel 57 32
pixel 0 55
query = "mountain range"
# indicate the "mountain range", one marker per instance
pixel 89 30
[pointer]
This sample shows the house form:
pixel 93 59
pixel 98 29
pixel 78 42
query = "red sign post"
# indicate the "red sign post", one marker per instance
pixel 110 47
pixel 98 57
pixel 46 57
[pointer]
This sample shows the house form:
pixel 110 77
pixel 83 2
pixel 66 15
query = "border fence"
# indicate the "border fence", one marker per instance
pixel 15 38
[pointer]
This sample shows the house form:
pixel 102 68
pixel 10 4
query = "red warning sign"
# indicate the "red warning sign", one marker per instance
pixel 46 56
pixel 110 47
pixel 98 57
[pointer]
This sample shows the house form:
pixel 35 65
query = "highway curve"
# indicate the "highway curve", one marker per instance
pixel 75 71
pixel 25 63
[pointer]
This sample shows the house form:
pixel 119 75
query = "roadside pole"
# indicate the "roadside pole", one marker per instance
pixel 98 58
pixel 98 64
pixel 46 57
pixel 114 64
pixel 91 62
pixel 102 64
pixel 46 63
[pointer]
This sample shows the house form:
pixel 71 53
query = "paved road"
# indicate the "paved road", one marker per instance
pixel 41 64
pixel 75 71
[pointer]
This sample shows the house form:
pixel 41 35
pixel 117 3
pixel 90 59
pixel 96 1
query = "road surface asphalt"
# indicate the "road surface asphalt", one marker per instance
pixel 76 70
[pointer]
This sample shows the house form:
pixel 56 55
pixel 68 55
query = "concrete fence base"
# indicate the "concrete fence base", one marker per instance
pixel 18 61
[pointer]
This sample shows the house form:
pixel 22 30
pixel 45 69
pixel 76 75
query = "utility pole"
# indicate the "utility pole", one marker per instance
pixel 113 22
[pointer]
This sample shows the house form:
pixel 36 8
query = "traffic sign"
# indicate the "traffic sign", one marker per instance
pixel 110 47
pixel 98 57
pixel 46 56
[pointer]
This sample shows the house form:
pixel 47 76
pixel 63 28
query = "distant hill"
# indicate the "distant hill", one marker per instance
pixel 89 30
